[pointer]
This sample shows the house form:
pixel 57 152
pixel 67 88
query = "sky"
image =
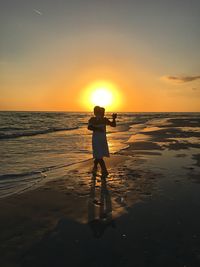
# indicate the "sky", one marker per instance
pixel 51 51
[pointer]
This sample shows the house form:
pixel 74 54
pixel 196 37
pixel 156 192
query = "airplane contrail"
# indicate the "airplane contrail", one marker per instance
pixel 38 12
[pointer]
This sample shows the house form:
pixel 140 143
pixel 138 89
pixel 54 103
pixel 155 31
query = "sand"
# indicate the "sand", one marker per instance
pixel 145 213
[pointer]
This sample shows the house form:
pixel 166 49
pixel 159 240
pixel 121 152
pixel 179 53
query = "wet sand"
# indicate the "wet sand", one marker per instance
pixel 145 213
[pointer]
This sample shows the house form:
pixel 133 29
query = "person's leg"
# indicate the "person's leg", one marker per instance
pixel 103 167
pixel 96 161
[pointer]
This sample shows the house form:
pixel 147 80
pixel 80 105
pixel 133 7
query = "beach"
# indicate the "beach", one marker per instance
pixel 145 213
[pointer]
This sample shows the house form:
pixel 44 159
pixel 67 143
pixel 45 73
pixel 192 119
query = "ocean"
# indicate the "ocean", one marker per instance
pixel 33 144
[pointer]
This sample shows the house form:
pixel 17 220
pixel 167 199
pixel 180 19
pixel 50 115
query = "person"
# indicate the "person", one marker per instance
pixel 98 124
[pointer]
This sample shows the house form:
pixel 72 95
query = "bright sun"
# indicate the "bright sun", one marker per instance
pixel 102 97
pixel 102 93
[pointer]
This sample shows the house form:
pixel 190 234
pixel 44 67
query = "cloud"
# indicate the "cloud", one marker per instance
pixel 180 79
pixel 38 12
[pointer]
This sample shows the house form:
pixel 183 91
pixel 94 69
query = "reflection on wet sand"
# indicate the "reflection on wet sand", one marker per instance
pixel 99 212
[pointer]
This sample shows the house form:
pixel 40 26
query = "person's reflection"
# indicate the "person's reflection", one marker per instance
pixel 100 221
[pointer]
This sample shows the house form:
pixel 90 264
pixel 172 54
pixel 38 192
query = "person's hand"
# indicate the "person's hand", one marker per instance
pixel 114 116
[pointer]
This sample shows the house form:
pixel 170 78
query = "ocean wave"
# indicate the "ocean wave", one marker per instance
pixel 41 172
pixel 33 133
pixel 17 175
pixel 17 183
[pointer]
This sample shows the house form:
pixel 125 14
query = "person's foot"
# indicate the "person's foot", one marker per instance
pixel 104 173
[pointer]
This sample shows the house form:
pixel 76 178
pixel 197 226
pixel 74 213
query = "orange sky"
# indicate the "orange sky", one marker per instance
pixel 49 58
pixel 138 90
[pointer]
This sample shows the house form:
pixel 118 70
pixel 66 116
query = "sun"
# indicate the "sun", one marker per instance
pixel 101 93
pixel 102 97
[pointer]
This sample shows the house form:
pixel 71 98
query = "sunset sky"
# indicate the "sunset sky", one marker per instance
pixel 52 51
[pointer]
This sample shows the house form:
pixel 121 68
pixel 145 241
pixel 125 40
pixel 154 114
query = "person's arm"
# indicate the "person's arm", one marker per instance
pixel 113 122
pixel 91 127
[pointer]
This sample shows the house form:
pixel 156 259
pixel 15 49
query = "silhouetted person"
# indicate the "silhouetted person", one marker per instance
pixel 97 124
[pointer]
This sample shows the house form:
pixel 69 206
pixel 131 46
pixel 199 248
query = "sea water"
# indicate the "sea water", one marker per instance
pixel 34 143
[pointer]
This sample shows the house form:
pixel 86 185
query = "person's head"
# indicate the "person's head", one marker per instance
pixel 97 111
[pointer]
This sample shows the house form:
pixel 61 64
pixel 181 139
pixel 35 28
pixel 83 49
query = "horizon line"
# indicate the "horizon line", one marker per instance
pixel 92 111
